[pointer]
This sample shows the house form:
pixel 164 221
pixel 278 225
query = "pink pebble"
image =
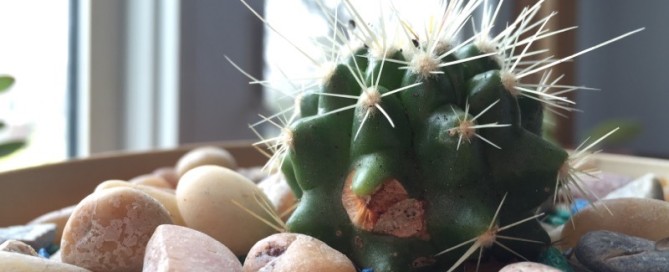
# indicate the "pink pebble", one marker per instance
pixel 176 248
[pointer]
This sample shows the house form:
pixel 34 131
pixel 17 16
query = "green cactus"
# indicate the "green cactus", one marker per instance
pixel 418 151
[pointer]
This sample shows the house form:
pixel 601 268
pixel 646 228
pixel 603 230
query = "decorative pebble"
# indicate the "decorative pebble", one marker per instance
pixel 58 217
pixel 17 262
pixel 662 245
pixel 255 174
pixel 600 185
pixel 166 197
pixel 36 235
pixel 558 216
pixel 169 174
pixel 606 251
pixel 46 252
pixel 42 252
pixel 297 253
pixel 206 198
pixel 279 194
pixel 109 230
pixel 641 217
pixel 176 248
pixel 553 257
pixel 207 155
pixel 647 186
pixel 528 267
pixel 578 205
pixel 151 180
pixel 665 187
pixel 56 257
pixel 18 247
pixel 554 232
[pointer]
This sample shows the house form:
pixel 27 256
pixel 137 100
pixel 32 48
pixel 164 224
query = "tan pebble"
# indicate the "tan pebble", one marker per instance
pixel 151 180
pixel 284 252
pixel 169 174
pixel 58 217
pixel 279 193
pixel 207 155
pixel 165 196
pixel 18 247
pixel 176 248
pixel 255 174
pixel 662 245
pixel 641 217
pixel 109 229
pixel 206 196
pixel 665 187
pixel 528 267
pixel 17 262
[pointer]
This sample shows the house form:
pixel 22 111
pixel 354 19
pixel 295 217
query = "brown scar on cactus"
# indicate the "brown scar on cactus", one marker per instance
pixel 389 210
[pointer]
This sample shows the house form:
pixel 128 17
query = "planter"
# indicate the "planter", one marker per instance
pixel 28 193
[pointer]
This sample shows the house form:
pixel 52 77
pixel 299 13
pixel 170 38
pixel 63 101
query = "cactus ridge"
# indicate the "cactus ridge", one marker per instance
pixel 413 143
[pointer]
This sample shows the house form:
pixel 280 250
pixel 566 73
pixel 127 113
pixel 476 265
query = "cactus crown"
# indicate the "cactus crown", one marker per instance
pixel 411 138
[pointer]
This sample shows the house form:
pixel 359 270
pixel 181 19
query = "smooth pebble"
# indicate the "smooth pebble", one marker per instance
pixel 176 248
pixel 641 217
pixel 206 155
pixel 647 186
pixel 292 252
pixel 109 230
pixel 17 262
pixel 206 198
pixel 279 193
pixel 528 267
pixel 166 197
pixel 606 251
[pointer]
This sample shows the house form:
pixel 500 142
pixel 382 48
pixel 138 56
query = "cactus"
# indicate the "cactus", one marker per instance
pixel 418 149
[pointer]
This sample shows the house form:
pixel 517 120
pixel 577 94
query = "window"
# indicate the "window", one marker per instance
pixel 34 50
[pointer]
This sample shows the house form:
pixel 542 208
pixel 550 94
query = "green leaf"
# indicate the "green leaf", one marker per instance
pixel 10 147
pixel 6 82
pixel 628 130
pixel 2 125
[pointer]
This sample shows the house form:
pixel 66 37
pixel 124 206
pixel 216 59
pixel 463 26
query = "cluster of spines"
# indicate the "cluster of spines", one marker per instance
pixel 426 53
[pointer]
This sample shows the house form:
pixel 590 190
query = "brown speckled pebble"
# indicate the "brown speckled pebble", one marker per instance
pixel 528 267
pixel 292 252
pixel 109 230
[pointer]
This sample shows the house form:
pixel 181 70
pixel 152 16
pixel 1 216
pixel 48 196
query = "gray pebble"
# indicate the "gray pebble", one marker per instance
pixel 647 186
pixel 37 236
pixel 606 251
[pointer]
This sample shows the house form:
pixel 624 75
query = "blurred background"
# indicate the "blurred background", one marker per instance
pixel 96 76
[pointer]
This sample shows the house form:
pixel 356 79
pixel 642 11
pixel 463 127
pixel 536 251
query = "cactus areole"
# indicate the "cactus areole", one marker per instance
pixel 421 149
